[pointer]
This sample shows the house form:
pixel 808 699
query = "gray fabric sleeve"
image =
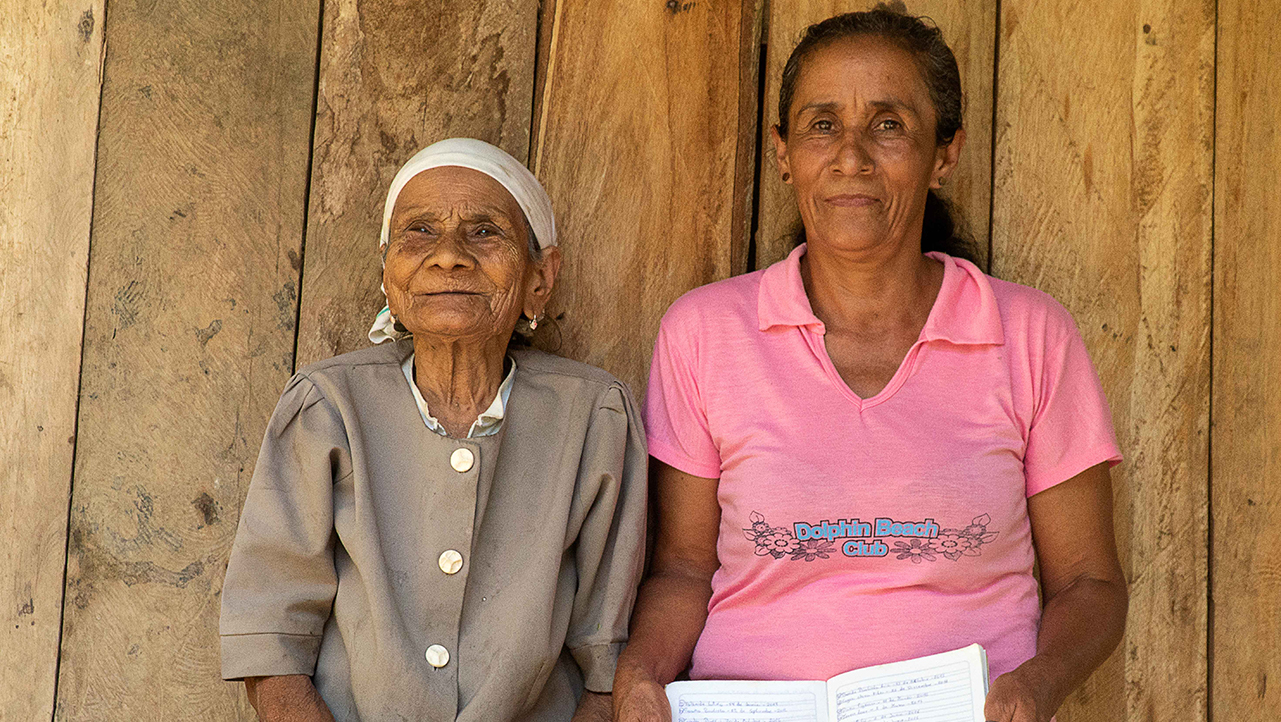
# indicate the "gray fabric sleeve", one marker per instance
pixel 610 549
pixel 280 581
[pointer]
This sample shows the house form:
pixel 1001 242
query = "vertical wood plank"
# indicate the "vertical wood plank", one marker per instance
pixel 189 336
pixel 1246 482
pixel 969 27
pixel 638 144
pixel 395 77
pixel 1103 198
pixel 50 53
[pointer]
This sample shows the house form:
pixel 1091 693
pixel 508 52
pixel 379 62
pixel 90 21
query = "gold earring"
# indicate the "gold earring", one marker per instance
pixel 942 181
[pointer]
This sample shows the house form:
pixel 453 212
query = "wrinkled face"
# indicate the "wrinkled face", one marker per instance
pixel 861 150
pixel 458 264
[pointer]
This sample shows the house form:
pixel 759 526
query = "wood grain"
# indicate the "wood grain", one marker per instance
pixel 394 78
pixel 50 53
pixel 189 337
pixel 1104 152
pixel 638 147
pixel 969 27
pixel 644 126
pixel 1246 483
pixel 751 49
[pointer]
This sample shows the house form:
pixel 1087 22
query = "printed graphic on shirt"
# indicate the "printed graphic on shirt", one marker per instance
pixel 915 540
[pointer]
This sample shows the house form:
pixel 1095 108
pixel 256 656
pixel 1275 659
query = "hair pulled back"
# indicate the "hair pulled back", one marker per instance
pixel 942 229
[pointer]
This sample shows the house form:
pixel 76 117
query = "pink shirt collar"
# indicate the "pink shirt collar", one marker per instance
pixel 964 313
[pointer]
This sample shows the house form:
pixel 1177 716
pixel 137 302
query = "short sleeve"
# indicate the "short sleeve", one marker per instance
pixel 610 549
pixel 1071 428
pixel 281 580
pixel 675 419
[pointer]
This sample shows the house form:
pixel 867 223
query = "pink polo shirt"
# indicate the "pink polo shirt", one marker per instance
pixel 861 531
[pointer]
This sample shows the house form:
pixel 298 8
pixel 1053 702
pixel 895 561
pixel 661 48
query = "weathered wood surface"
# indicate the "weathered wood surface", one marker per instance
pixel 746 163
pixel 969 27
pixel 1104 151
pixel 50 54
pixel 1246 482
pixel 638 143
pixel 189 337
pixel 395 77
pixel 644 122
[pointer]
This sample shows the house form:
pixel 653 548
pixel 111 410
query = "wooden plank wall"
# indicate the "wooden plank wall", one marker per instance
pixel 189 337
pixel 1102 198
pixel 50 55
pixel 1246 436
pixel 1122 156
pixel 642 173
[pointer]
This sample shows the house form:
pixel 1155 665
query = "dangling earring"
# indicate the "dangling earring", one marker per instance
pixel 533 323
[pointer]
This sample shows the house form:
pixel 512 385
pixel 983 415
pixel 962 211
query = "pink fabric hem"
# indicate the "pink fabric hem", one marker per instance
pixel 1105 452
pixel 673 458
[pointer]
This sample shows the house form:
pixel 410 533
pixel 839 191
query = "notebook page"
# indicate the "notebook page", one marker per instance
pixel 948 687
pixel 741 701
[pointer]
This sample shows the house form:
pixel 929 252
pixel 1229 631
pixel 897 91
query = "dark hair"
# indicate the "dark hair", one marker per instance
pixel 943 229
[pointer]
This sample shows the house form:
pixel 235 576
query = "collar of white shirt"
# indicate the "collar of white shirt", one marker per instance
pixel 489 421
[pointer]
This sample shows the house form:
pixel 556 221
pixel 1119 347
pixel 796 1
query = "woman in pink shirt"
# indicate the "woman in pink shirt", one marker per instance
pixel 861 451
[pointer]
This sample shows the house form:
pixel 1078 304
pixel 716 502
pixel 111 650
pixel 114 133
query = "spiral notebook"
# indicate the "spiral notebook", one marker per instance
pixel 947 687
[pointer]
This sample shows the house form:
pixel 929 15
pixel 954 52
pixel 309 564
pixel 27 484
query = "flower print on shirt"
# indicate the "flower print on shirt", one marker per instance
pixel 978 529
pixel 819 542
pixel 811 550
pixel 967 541
pixel 777 541
pixel 954 545
pixel 916 550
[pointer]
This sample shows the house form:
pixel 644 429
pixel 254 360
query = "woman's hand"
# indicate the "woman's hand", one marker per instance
pixel 640 700
pixel 594 707
pixel 287 698
pixel 1018 697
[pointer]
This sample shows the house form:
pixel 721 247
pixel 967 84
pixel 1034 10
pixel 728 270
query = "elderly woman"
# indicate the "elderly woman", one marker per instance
pixel 861 450
pixel 444 526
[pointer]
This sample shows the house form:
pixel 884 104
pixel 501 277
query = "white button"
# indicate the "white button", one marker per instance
pixel 461 460
pixel 437 656
pixel 450 561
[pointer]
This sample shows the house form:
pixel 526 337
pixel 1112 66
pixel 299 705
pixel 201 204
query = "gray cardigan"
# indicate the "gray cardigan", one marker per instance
pixel 337 568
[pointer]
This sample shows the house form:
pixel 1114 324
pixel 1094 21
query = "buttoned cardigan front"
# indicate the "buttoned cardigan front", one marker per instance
pixel 422 577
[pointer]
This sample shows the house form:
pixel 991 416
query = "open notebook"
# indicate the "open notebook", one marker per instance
pixel 947 687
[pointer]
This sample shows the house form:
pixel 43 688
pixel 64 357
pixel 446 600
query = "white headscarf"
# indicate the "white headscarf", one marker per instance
pixel 479 156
